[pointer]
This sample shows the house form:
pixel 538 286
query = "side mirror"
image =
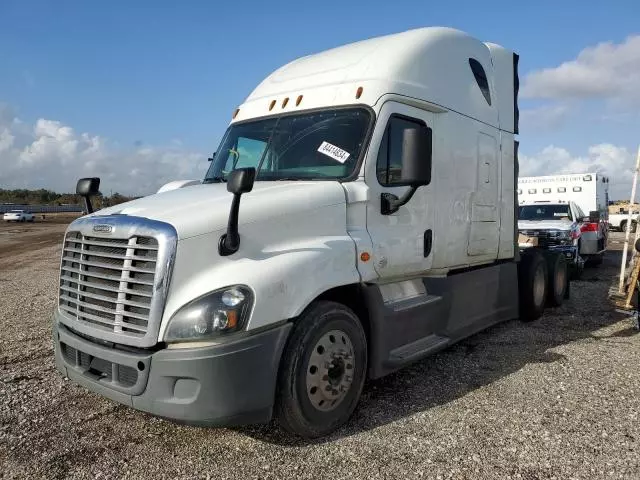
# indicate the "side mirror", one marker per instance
pixel 87 188
pixel 594 216
pixel 210 159
pixel 416 167
pixel 416 156
pixel 238 182
pixel 241 180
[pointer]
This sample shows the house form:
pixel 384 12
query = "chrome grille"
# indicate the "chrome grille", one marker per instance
pixel 114 281
pixel 108 283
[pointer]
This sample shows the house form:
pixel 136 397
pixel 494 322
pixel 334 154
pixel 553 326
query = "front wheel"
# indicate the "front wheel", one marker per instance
pixel 558 280
pixel 322 372
pixel 532 285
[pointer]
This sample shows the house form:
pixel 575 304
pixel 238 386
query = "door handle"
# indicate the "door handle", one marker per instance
pixel 428 243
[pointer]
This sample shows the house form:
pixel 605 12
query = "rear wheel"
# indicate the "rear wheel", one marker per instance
pixel 633 227
pixel 558 279
pixel 532 285
pixel 323 371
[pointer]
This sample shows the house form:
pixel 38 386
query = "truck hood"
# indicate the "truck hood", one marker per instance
pixel 544 224
pixel 204 208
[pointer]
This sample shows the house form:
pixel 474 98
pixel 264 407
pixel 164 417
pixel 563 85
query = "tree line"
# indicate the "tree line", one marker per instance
pixel 48 197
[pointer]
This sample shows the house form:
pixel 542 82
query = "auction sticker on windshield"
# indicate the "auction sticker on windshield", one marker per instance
pixel 334 152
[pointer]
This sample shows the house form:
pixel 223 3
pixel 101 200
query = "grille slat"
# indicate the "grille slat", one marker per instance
pixel 112 256
pixel 103 276
pixel 108 266
pixel 108 283
pixel 86 316
pixel 114 299
pixel 105 287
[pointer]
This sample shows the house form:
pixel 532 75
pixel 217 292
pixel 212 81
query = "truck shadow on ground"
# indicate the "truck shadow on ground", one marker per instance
pixel 477 361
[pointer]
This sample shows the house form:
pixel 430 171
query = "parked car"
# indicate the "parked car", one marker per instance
pixel 19 216
pixel 593 229
pixel 618 221
pixel 556 226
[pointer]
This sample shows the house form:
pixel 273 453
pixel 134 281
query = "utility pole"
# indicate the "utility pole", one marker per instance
pixel 626 237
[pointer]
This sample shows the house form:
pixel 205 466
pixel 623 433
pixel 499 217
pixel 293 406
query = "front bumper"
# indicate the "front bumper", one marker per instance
pixel 223 385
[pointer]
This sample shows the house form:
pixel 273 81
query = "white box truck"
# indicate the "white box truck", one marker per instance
pixel 358 215
pixel 590 191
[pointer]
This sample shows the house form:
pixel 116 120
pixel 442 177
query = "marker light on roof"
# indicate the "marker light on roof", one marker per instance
pixel 359 92
pixel 284 102
pixel 272 104
pixel 298 100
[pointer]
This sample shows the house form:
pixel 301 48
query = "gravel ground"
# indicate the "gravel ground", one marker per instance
pixel 558 398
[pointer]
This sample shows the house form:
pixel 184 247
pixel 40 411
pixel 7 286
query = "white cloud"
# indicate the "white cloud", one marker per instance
pixel 616 162
pixel 52 155
pixel 605 71
pixel 548 117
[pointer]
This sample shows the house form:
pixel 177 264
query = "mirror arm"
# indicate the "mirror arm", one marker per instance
pixel 230 242
pixel 390 203
pixel 87 204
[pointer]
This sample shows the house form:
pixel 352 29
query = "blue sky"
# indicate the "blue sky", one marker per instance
pixel 165 76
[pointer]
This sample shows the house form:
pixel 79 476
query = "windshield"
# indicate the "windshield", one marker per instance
pixel 315 145
pixel 545 212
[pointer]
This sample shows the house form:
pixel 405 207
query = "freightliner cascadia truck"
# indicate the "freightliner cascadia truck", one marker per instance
pixel 359 214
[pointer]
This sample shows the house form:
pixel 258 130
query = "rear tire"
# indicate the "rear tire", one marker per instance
pixel 558 280
pixel 532 285
pixel 633 227
pixel 623 226
pixel 323 370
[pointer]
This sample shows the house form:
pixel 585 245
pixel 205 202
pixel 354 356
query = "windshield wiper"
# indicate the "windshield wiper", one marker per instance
pixel 214 180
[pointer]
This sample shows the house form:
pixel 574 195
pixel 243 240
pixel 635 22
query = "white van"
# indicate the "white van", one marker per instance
pixel 590 191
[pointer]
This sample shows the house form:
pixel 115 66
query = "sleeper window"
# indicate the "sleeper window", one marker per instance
pixel 481 78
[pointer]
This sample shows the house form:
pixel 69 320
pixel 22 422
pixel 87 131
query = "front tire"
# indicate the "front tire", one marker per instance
pixel 558 282
pixel 322 372
pixel 532 286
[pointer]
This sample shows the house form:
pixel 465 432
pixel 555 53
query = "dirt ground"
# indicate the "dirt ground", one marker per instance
pixel 558 398
pixel 17 238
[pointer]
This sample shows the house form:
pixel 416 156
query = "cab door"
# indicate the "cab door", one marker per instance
pixel 401 240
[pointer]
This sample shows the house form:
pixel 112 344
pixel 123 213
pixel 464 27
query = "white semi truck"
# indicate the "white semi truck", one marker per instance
pixel 359 214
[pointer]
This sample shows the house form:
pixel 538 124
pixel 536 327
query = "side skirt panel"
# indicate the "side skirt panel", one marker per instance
pixel 447 310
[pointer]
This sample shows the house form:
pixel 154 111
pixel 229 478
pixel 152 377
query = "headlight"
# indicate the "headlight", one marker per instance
pixel 215 314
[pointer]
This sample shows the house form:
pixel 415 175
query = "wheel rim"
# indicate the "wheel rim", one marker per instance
pixel 560 280
pixel 538 286
pixel 330 370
